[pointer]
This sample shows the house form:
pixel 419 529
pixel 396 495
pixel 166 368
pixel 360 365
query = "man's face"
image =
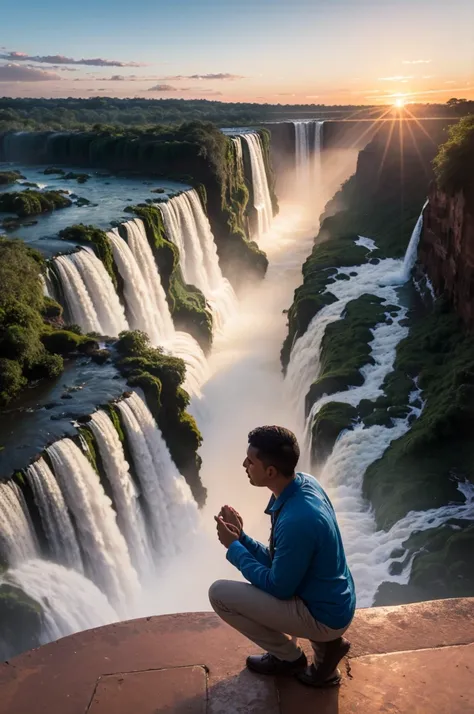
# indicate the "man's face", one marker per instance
pixel 257 473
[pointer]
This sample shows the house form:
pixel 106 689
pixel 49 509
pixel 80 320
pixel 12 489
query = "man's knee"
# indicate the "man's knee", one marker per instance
pixel 222 594
pixel 216 591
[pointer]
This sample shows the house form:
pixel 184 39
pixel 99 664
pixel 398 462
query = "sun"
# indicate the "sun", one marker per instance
pixel 399 102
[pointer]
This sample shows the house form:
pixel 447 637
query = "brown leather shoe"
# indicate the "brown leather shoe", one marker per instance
pixel 268 664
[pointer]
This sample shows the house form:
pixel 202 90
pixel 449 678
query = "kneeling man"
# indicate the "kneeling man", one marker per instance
pixel 301 585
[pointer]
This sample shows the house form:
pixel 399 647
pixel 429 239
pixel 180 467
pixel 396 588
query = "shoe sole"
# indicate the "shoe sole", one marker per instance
pixel 285 673
pixel 335 682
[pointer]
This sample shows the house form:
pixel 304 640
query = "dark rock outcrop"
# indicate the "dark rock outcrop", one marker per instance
pixel 447 249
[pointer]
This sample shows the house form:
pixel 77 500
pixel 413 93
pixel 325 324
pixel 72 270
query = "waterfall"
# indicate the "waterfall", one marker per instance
pixel 138 243
pixel 308 147
pixel 54 514
pixel 237 141
pixel 412 250
pixel 261 192
pixel 368 549
pixel 17 537
pixel 302 152
pixel 129 512
pixel 99 285
pixel 91 300
pixel 188 227
pixel 96 523
pixel 78 301
pixel 70 602
pixel 147 304
pixel 171 509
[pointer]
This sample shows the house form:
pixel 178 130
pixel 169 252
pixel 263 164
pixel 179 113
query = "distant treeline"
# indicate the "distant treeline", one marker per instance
pixel 83 114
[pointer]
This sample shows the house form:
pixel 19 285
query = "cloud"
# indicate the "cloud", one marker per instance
pixel 397 78
pixel 219 76
pixel 61 60
pixel 17 73
pixel 163 88
pixel 420 61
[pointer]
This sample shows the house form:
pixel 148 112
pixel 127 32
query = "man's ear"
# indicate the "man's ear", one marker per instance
pixel 272 472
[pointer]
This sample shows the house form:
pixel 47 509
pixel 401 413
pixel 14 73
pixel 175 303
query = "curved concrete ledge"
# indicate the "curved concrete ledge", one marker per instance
pixel 411 658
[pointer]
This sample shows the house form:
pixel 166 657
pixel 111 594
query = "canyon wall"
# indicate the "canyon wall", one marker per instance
pixel 447 249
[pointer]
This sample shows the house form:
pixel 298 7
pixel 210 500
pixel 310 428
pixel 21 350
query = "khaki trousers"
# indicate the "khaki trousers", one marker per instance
pixel 273 624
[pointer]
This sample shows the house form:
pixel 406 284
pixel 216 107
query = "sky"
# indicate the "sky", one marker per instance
pixel 265 51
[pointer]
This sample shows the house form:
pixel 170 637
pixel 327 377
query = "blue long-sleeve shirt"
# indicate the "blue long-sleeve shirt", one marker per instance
pixel 308 559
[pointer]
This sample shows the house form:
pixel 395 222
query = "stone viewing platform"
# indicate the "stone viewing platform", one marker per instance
pixel 410 659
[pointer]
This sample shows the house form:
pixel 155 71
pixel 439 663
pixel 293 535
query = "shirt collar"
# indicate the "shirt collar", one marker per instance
pixel 276 503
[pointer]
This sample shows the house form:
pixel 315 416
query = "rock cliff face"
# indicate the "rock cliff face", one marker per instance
pixel 447 249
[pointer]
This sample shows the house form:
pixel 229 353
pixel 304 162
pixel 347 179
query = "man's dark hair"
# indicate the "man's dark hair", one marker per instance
pixel 276 447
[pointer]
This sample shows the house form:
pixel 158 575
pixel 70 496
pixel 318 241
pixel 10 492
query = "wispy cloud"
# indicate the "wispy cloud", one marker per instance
pixel 164 88
pixel 396 78
pixel 61 60
pixel 17 73
pixel 418 61
pixel 218 76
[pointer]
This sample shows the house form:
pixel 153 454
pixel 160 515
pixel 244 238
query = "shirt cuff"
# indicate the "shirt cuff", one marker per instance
pixel 234 551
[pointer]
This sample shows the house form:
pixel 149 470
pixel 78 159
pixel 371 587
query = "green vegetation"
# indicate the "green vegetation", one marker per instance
pixel 329 422
pixel 315 292
pixel 345 347
pixel 453 163
pixel 51 309
pixel 80 233
pixel 97 112
pixel 8 177
pixel 31 203
pixel 160 376
pixel 65 342
pixel 187 304
pixel 23 356
pixel 196 152
pixel 21 620
pixel 438 448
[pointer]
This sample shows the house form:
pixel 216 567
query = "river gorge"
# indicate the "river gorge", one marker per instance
pixel 189 287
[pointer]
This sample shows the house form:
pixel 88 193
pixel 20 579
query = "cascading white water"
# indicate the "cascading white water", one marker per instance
pixel 138 264
pixel 138 243
pixel 54 514
pixel 90 296
pixel 356 449
pixel 237 141
pixel 98 282
pixel 412 250
pixel 171 509
pixel 139 306
pixel 126 497
pixel 101 539
pixel 188 227
pixel 308 147
pixel 78 301
pixel 17 538
pixel 302 152
pixel 261 192
pixel 70 602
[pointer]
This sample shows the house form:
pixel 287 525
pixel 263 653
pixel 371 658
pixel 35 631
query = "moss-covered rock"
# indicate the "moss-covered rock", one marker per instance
pixel 64 342
pixel 31 202
pixel 345 348
pixel 21 621
pixel 80 233
pixel 187 303
pixel 8 177
pixel 438 446
pixel 51 309
pixel 329 422
pixel 319 271
pixel 160 376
